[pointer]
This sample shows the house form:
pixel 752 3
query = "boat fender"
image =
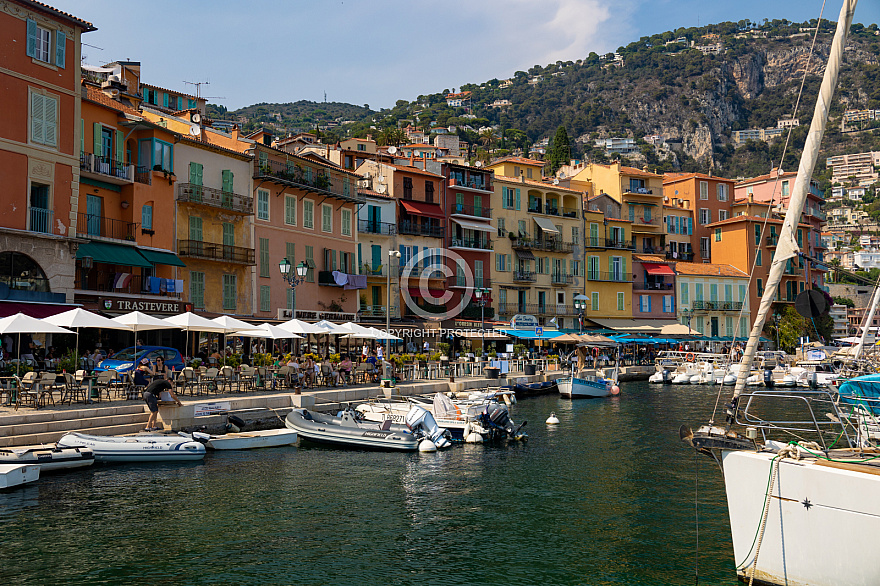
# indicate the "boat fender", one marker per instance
pixel 473 438
pixel 467 429
pixel 552 420
pixel 615 390
pixel 235 420
pixel 427 445
pixel 200 437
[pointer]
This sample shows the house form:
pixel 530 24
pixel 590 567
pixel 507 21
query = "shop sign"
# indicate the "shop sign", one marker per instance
pixel 524 322
pixel 170 307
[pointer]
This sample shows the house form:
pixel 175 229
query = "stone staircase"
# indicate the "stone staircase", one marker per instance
pixel 45 427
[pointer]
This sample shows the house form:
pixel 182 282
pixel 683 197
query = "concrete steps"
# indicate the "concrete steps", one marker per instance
pixel 36 428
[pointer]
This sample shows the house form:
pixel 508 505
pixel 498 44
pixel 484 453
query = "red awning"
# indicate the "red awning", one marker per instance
pixel 435 293
pixel 421 208
pixel 653 268
pixel 33 309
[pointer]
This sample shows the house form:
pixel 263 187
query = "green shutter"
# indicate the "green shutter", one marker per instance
pixel 623 268
pixel 264 257
pixel 227 180
pixel 517 198
pixel 197 289
pixel 291 253
pixel 147 217
pixel 195 228
pixel 228 234
pixel 165 100
pixel 31 47
pixel 60 46
pixel 96 139
pixel 120 147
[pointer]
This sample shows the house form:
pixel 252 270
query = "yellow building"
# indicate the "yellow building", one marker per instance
pixel 538 252
pixel 639 192
pixel 608 248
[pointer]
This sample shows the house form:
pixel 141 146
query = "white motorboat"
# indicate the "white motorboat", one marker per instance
pixel 18 474
pixel 49 458
pixel 246 440
pixel 136 448
pixel 585 387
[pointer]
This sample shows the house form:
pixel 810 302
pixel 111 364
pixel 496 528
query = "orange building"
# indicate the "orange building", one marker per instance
pixel 708 199
pixel 39 141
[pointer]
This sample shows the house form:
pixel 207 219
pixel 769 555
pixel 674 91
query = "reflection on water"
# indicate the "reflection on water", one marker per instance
pixel 605 497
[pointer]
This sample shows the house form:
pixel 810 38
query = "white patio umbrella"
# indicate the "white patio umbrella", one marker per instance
pixel 332 328
pixel 80 318
pixel 231 324
pixel 267 330
pixel 25 324
pixel 139 322
pixel 300 327
pixel 380 335
pixel 191 322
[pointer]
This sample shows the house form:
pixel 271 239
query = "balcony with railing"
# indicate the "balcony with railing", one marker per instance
pixel 613 276
pixel 371 227
pixel 460 209
pixel 682 256
pixel 373 271
pixel 561 279
pixel 546 244
pixel 472 183
pixel 215 251
pixel 638 220
pixel 418 272
pixel 111 282
pixel 596 242
pixel 217 198
pixel 93 226
pixel 105 169
pixel 377 311
pixel 653 286
pixel 41 220
pixel 330 185
pixel 417 229
pixel 514 308
pixel 524 276
pixel 474 243
pixel 716 305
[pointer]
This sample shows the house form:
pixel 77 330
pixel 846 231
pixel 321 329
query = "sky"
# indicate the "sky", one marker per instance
pixel 376 52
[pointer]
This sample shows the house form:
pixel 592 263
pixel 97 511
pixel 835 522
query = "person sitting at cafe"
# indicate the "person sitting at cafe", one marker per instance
pixel 373 361
pixel 142 373
pixel 309 371
pixel 161 369
pixel 295 375
pixel 328 367
pixel 345 368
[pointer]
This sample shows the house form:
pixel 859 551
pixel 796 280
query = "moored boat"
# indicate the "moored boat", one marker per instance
pixel 585 387
pixel 136 448
pixel 535 389
pixel 347 431
pixel 49 458
pixel 246 440
pixel 18 474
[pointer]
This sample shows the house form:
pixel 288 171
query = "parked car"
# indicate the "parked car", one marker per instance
pixel 126 360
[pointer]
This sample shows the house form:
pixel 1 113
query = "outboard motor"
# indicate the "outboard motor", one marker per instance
pixel 496 417
pixel 234 424
pixel 667 376
pixel 420 419
pixel 768 378
pixel 814 379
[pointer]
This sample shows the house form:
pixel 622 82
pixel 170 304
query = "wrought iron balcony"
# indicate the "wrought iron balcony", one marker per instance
pixel 93 226
pixel 105 168
pixel 614 276
pixel 215 251
pixel 716 305
pixel 416 229
pixel 371 271
pixel 371 227
pixel 469 210
pixel 683 256
pixel 295 175
pixel 217 198
pixel 514 308
pixel 597 242
pixel 41 220
pixel 472 243
pixel 478 282
pixel 561 279
pixel 647 286
pixel 524 276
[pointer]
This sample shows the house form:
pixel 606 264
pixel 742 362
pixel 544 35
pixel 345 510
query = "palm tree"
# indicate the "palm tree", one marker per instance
pixel 487 138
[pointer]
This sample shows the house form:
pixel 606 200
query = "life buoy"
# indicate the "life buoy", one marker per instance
pixel 689 357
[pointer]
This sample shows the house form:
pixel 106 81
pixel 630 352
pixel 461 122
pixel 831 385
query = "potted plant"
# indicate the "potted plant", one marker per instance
pixel 493 354
pixel 196 362
pixel 519 350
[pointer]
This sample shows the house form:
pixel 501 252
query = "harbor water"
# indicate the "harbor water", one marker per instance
pixel 605 497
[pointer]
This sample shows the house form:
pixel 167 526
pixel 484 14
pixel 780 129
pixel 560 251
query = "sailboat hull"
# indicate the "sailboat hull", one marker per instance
pixel 822 522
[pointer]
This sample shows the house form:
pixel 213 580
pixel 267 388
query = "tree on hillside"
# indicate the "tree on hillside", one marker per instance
pixel 845 301
pixel 560 150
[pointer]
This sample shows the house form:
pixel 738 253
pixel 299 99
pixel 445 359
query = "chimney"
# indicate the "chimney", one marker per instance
pixel 710 172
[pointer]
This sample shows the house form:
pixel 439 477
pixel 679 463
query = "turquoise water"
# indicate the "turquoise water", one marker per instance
pixel 606 497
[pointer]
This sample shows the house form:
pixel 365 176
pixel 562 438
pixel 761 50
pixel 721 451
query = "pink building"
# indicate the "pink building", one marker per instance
pixel 653 287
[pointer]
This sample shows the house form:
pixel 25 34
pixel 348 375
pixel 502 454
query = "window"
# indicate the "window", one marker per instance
pixel 722 215
pixel 728 324
pixel 326 218
pixel 698 291
pixel 644 303
pixel 163 156
pixel 197 289
pixel 346 222
pixel 310 261
pixel 704 190
pixel 44 119
pixel 501 231
pixel 575 235
pixel 704 247
pixel 717 234
pixel 742 293
pixel 147 217
pixel 685 290
pixel 262 204
pixel 39 44
pixel 705 216
pixel 308 213
pixel 195 228
pixel 290 210
pixel 264 257
pixel 594 301
pixel 593 268
pixel 407 188
pixel 728 292
pixel 621 301
pixel 229 291
pixel 265 302
pixel 667 304
pixel 785 191
pixel 228 239
pixel 429 191
pixel 758 258
pixel 757 234
pixel 721 189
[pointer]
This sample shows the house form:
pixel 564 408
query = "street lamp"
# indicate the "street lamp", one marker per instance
pixel 482 296
pixel 688 314
pixel 293 279
pixel 391 254
pixel 580 306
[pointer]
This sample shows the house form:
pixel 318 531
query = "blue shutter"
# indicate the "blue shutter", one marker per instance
pixel 60 46
pixel 31 47
pixel 147 217
pixel 165 100
pixel 517 198
pixel 690 226
pixel 649 303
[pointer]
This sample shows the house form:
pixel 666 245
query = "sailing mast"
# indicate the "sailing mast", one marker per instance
pixel 869 319
pixel 787 245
